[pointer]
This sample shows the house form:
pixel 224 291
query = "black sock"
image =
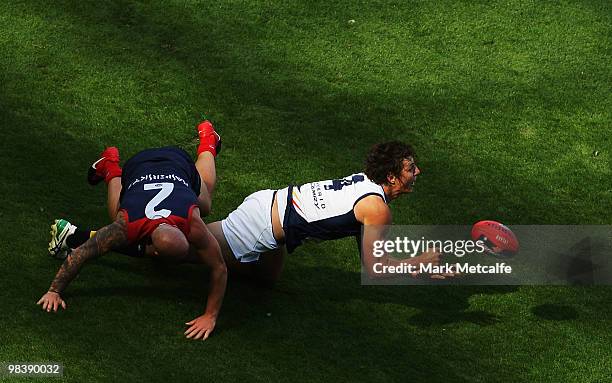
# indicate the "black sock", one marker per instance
pixel 77 238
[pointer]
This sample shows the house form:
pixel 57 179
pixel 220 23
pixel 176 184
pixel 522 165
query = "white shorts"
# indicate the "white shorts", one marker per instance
pixel 248 229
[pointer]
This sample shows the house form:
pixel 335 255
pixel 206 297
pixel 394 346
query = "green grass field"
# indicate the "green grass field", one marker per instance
pixel 506 103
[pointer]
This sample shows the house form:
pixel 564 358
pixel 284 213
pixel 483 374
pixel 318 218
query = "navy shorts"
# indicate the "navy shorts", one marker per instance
pixel 160 160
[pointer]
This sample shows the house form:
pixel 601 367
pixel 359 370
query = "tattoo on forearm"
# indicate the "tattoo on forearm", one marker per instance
pixel 106 239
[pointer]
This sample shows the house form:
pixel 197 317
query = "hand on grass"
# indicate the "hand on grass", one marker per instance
pixel 435 259
pixel 200 327
pixel 51 301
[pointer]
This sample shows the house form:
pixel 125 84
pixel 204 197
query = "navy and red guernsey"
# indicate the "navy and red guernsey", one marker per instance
pixel 159 186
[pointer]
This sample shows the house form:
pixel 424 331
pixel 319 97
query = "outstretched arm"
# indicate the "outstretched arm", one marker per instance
pixel 375 215
pixel 209 253
pixel 106 239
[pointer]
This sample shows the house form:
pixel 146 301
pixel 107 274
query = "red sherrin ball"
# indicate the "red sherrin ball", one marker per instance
pixel 496 236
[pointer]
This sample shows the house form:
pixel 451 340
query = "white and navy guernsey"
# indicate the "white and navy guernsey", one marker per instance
pixel 324 209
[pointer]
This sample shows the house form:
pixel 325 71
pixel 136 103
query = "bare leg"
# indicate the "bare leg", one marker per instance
pixel 232 263
pixel 208 174
pixel 113 192
pixel 270 266
pixel 266 270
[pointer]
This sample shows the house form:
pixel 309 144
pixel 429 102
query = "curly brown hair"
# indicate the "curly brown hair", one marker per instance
pixel 387 158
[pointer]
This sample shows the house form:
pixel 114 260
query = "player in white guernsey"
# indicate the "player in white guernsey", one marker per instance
pixel 255 236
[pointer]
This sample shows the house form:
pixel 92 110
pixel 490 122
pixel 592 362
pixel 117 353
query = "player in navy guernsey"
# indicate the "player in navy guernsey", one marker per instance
pixel 156 202
pixel 162 187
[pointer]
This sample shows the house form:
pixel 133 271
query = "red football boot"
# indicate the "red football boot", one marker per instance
pixel 210 141
pixel 105 168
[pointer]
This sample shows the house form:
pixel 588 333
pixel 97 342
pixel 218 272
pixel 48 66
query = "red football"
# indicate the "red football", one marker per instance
pixel 498 238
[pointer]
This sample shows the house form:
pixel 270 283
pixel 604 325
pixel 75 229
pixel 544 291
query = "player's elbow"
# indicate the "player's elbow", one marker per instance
pixel 219 270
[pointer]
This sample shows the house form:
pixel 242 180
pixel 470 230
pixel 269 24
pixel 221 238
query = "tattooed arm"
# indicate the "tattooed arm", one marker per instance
pixel 106 239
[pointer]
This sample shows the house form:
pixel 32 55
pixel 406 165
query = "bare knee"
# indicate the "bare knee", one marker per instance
pixel 270 266
pixel 204 203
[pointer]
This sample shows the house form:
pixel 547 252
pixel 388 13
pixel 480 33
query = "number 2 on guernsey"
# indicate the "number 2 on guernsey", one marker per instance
pixel 165 190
